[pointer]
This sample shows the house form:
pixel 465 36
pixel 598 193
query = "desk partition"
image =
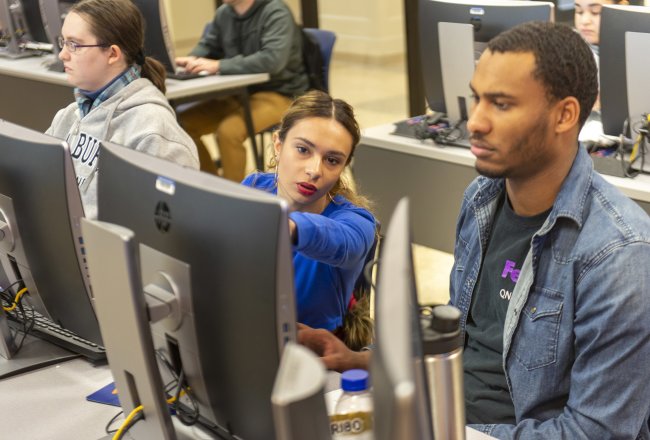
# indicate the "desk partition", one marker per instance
pixel 387 167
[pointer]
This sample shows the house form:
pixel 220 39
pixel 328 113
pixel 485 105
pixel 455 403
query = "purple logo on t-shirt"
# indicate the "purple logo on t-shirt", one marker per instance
pixel 509 268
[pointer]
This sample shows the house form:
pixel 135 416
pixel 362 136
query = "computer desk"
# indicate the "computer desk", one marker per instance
pixel 50 403
pixel 31 95
pixel 388 167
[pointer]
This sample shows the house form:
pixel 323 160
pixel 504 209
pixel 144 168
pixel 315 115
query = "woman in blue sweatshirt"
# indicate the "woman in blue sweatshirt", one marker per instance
pixel 332 231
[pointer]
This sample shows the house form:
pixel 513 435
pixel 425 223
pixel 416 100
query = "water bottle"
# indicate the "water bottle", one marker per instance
pixel 442 348
pixel 352 418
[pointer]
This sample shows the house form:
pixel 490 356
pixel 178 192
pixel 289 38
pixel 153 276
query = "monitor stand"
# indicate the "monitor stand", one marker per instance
pixel 5 53
pixel 35 353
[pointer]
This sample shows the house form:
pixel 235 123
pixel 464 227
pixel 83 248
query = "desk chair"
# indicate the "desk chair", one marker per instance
pixel 325 40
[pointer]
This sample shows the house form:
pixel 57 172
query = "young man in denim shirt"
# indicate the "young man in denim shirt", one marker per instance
pixel 551 269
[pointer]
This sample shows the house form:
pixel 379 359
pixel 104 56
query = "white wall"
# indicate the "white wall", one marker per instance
pixel 365 28
pixel 187 19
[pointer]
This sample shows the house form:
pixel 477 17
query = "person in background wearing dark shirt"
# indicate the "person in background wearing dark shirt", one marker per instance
pixel 245 36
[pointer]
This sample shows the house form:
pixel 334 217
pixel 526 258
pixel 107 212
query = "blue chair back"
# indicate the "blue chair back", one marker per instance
pixel 326 41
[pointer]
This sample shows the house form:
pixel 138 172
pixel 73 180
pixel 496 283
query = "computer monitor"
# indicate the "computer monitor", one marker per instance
pixel 40 245
pixel 401 403
pixel 487 18
pixel 53 13
pixel 34 20
pixel 224 249
pixel 157 38
pixel 12 30
pixel 615 22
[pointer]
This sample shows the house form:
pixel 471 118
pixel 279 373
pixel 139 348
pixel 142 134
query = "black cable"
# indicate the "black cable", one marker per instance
pixel 19 312
pixel 185 417
pixel 6 292
pixel 641 129
pixel 367 272
pixel 108 429
pixel 28 326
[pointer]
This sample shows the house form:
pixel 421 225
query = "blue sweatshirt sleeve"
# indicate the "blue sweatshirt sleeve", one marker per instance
pixel 340 240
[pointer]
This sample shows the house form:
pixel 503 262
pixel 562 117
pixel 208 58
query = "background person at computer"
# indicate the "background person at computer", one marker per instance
pixel 546 267
pixel 587 22
pixel 587 19
pixel 119 93
pixel 331 228
pixel 245 36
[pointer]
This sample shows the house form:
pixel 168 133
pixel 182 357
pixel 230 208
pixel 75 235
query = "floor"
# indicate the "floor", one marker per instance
pixel 377 91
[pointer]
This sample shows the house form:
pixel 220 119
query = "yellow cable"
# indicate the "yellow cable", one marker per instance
pixel 635 148
pixel 136 410
pixel 20 293
pixel 120 431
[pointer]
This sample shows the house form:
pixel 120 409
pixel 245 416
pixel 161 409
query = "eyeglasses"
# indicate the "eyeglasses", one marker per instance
pixel 72 46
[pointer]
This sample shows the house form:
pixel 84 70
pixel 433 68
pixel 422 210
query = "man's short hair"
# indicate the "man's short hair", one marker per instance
pixel 564 62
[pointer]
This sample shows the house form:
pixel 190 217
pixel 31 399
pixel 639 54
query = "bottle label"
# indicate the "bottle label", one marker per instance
pixel 356 424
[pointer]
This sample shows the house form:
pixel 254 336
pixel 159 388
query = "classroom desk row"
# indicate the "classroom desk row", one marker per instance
pixel 388 167
pixel 32 94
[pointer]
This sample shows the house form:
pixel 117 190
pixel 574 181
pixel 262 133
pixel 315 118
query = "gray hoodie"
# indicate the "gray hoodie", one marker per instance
pixel 138 117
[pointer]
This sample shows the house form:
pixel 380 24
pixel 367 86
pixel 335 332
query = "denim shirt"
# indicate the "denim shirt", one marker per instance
pixel 576 342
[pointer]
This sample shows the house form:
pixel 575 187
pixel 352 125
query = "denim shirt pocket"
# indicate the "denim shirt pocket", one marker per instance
pixel 536 337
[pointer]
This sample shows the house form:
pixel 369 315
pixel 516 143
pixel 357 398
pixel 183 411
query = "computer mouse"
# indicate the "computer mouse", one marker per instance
pixel 204 73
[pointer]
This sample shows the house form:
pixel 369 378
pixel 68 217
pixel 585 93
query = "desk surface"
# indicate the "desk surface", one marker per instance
pixel 387 167
pixel 33 68
pixel 50 403
pixel 637 188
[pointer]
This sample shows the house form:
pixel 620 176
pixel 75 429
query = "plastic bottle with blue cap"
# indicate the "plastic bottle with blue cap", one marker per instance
pixel 352 418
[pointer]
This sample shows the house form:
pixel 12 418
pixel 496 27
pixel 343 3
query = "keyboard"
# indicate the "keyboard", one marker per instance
pixel 183 75
pixel 49 331
pixel 410 127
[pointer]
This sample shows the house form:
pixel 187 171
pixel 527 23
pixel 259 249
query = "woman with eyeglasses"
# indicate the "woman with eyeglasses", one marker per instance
pixel 119 93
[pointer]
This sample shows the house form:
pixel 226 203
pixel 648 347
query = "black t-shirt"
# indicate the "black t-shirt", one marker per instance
pixel 487 398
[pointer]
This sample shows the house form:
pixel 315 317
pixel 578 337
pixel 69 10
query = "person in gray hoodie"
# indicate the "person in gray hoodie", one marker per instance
pixel 245 36
pixel 119 93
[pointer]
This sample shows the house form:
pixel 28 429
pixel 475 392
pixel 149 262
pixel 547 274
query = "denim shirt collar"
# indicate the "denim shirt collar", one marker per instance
pixel 569 202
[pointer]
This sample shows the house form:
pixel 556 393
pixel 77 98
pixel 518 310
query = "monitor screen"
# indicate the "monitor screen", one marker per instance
pixel 401 404
pixel 226 248
pixel 614 23
pixel 157 38
pixel 487 17
pixel 41 246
